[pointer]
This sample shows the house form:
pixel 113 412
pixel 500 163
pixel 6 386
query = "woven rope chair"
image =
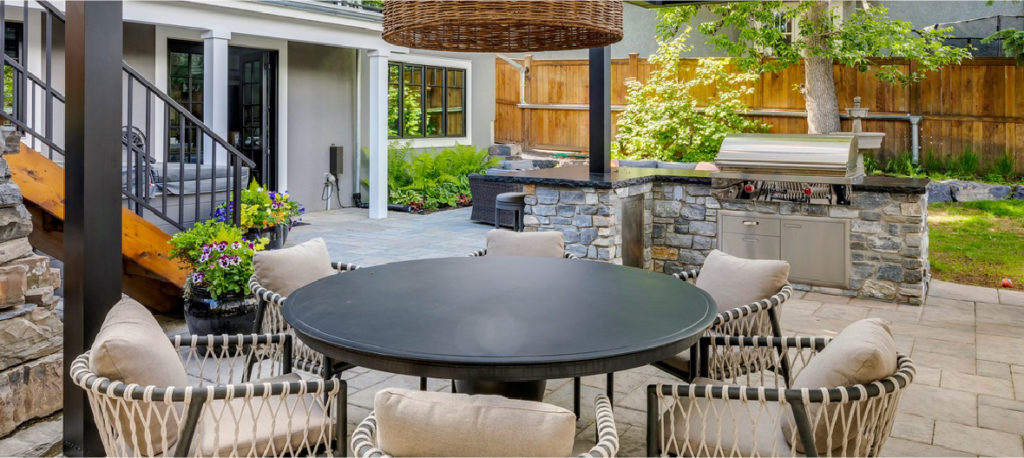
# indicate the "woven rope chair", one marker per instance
pixel 484 253
pixel 271 321
pixel 222 414
pixel 364 437
pixel 751 412
pixel 758 319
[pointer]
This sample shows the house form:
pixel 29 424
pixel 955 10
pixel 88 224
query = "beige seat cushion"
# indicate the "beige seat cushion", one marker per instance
pixel 862 353
pixel 734 428
pixel 541 244
pixel 288 269
pixel 132 348
pixel 423 423
pixel 733 282
pixel 263 427
pixel 679 361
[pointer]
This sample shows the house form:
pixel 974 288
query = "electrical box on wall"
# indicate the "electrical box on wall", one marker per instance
pixel 337 159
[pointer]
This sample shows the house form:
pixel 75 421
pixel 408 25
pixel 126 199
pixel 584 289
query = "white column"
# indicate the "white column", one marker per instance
pixel 215 89
pixel 378 131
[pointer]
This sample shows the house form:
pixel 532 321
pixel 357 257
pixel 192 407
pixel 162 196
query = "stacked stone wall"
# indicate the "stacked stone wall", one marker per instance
pixel 31 330
pixel 888 238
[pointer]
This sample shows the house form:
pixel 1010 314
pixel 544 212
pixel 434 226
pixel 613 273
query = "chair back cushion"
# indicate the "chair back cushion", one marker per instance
pixel 862 353
pixel 425 423
pixel 733 282
pixel 132 348
pixel 285 270
pixel 547 244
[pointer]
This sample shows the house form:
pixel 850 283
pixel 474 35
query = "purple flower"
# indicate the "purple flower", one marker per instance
pixel 252 246
pixel 207 248
pixel 223 262
pixel 236 245
pixel 198 277
pixel 205 257
pixel 222 246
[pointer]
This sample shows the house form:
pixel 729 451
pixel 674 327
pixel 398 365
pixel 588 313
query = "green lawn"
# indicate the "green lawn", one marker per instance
pixel 977 243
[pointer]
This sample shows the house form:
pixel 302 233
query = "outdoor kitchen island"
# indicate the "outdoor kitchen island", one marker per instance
pixel 667 220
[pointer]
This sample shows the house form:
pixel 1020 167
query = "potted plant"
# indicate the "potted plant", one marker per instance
pixel 265 214
pixel 219 259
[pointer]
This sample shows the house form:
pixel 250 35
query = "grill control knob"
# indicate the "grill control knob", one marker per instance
pixel 749 188
pixel 807 191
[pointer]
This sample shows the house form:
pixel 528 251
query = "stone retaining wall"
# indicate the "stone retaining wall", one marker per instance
pixel 888 231
pixel 31 330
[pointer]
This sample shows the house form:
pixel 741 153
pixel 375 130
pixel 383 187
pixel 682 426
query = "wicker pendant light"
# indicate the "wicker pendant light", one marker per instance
pixel 502 25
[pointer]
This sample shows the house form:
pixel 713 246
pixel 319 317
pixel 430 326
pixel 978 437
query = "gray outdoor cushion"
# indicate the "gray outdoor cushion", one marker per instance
pixel 183 181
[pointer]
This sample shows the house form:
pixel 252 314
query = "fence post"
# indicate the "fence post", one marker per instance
pixel 527 114
pixel 634 66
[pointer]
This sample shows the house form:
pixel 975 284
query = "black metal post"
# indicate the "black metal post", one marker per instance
pixel 600 110
pixel 92 226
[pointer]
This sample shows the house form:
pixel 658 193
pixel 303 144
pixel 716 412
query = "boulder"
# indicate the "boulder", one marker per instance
pixel 939 192
pixel 968 191
pixel 505 149
pixel 30 391
pixel 1018 193
pixel 28 332
pixel 42 438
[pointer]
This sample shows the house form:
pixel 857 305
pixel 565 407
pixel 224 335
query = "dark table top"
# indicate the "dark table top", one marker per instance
pixel 579 176
pixel 499 318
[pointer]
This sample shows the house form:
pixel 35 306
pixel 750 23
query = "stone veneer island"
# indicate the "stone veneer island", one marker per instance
pixel 671 222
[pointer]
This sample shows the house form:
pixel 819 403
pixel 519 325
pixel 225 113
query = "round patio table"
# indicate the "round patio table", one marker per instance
pixel 502 324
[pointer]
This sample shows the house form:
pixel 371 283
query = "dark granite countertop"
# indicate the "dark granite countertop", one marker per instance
pixel 578 176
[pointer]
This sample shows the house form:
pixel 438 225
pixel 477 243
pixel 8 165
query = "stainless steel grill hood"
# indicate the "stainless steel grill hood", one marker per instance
pixel 825 159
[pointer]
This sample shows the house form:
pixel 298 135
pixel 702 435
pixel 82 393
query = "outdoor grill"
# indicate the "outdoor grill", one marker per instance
pixel 818 169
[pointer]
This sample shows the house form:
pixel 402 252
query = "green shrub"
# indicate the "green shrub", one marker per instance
pixel 964 166
pixel 430 181
pixel 663 118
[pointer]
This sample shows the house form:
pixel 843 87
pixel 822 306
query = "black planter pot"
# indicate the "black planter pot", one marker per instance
pixel 226 315
pixel 277 235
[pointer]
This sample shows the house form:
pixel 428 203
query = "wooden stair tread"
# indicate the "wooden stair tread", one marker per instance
pixel 143 243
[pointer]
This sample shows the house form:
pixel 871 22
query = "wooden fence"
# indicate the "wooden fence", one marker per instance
pixel 977 106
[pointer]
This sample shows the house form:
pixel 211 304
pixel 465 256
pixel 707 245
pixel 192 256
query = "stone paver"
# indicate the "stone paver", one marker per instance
pixel 967 341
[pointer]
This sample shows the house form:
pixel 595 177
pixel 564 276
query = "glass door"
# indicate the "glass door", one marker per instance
pixel 256 87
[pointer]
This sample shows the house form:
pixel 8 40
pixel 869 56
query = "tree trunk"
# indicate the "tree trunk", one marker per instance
pixel 819 89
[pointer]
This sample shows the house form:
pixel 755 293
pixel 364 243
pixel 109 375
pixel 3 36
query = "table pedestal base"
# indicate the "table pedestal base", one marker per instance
pixel 530 391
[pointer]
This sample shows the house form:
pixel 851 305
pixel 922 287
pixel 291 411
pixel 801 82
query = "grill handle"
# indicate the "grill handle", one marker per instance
pixel 751 223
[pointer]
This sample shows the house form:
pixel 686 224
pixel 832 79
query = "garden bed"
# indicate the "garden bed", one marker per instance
pixel 977 243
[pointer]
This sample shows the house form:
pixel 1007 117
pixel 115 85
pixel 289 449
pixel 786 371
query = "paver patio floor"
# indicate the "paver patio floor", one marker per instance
pixel 967 342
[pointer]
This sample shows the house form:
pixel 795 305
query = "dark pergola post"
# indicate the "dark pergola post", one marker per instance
pixel 600 110
pixel 92 224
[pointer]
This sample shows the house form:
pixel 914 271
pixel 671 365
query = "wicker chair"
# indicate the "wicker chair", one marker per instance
pixel 270 320
pixel 750 411
pixel 364 438
pixel 222 413
pixel 760 318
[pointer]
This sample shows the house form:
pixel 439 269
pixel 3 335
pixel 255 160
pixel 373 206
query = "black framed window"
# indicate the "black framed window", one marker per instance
pixel 426 101
pixel 12 48
pixel 185 86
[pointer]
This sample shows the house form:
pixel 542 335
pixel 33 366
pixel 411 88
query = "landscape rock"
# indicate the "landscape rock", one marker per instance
pixel 969 191
pixel 42 438
pixel 12 285
pixel 30 391
pixel 14 249
pixel 28 332
pixel 939 192
pixel 505 149
pixel 1019 193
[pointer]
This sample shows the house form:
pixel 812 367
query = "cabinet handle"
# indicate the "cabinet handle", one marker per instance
pixel 793 226
pixel 751 223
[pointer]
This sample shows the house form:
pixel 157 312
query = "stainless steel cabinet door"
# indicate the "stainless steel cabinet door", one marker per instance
pixel 751 246
pixel 816 251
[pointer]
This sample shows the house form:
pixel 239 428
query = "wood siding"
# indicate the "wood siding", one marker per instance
pixel 977 106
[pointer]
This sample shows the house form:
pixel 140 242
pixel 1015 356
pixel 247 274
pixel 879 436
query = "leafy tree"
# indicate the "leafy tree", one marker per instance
pixel 666 118
pixel 749 31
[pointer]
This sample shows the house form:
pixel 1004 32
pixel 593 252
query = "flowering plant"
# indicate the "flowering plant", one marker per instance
pixel 219 258
pixel 262 208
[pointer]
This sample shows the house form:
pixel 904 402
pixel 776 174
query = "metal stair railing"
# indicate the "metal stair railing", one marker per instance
pixel 179 193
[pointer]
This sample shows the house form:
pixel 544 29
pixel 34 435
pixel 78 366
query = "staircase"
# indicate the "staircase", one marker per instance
pixel 160 197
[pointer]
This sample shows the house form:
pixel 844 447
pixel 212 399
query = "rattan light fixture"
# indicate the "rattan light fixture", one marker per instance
pixel 502 25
